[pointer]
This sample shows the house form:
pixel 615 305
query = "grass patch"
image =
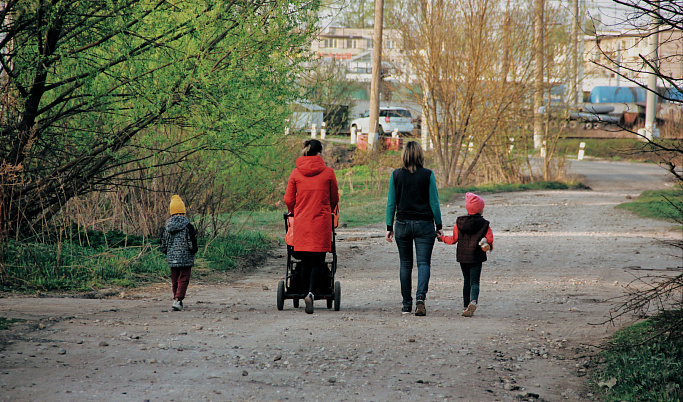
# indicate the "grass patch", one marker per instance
pixel 65 266
pixel 31 266
pixel 657 204
pixel 644 370
pixel 630 149
pixel 6 323
pixel 243 249
pixel 599 148
pixel 268 221
pixel 362 209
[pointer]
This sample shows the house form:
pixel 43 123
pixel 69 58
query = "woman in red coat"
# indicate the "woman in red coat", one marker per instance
pixel 312 195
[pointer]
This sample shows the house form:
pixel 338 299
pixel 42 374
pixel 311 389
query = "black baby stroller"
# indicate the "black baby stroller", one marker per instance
pixel 294 286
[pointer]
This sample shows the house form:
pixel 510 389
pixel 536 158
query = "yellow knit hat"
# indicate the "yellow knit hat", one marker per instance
pixel 177 205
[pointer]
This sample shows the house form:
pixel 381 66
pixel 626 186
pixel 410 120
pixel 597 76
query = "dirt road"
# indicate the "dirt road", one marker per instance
pixel 559 257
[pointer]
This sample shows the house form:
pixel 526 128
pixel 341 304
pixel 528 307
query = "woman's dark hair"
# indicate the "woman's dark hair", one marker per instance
pixel 312 148
pixel 412 156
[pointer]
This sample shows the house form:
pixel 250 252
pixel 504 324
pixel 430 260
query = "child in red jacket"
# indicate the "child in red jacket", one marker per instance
pixel 474 237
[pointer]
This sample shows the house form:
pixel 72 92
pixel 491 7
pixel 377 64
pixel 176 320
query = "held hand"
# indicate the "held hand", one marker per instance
pixel 389 235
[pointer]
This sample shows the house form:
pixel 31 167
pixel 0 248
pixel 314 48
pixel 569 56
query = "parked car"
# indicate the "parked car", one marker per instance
pixel 390 118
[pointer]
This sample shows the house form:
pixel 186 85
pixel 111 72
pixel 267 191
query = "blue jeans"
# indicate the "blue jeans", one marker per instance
pixel 471 272
pixel 422 234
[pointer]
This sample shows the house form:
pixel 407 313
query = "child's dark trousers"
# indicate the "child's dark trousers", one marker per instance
pixel 180 278
pixel 471 272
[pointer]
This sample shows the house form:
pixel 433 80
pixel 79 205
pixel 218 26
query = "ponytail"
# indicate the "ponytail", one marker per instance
pixel 312 148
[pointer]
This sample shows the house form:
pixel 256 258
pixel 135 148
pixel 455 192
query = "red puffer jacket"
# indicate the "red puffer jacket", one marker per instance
pixel 312 195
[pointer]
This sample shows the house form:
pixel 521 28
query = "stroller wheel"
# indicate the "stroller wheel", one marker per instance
pixel 337 296
pixel 329 303
pixel 281 295
pixel 295 302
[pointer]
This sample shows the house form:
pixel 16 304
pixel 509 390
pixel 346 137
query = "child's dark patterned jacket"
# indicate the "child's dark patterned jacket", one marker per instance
pixel 179 242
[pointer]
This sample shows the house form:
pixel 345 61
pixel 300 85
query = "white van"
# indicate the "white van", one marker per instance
pixel 390 118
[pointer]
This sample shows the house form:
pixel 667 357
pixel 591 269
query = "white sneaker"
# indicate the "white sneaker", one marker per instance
pixel 177 305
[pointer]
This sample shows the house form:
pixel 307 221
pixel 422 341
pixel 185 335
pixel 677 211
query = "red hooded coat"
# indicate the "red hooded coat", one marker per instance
pixel 312 195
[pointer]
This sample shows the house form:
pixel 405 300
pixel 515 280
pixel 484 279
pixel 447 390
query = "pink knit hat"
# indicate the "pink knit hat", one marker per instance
pixel 474 204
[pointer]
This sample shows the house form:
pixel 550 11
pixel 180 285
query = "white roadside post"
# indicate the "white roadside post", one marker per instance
pixel 313 133
pixel 323 130
pixel 582 147
pixel 353 135
pixel 394 134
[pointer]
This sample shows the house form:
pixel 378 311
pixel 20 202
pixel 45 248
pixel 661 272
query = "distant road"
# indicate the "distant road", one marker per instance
pixel 608 175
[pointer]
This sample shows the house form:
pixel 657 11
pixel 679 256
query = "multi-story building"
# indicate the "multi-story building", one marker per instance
pixel 354 46
pixel 607 56
pixel 614 58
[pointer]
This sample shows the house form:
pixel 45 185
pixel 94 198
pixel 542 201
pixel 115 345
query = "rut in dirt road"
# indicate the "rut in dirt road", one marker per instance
pixel 560 257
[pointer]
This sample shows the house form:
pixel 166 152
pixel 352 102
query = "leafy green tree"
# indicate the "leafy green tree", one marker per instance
pixel 102 93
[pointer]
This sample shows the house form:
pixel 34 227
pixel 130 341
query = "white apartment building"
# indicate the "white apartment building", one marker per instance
pixel 621 51
pixel 354 47
pixel 616 50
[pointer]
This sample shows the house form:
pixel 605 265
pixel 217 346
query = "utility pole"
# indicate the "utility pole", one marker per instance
pixel 651 131
pixel 376 71
pixel 576 93
pixel 538 72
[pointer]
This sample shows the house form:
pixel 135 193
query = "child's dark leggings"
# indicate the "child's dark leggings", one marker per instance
pixel 313 264
pixel 180 278
pixel 471 272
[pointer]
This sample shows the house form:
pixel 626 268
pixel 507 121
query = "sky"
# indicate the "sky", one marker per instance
pixel 607 11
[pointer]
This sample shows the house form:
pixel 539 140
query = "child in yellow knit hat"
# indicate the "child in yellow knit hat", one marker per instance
pixel 179 243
